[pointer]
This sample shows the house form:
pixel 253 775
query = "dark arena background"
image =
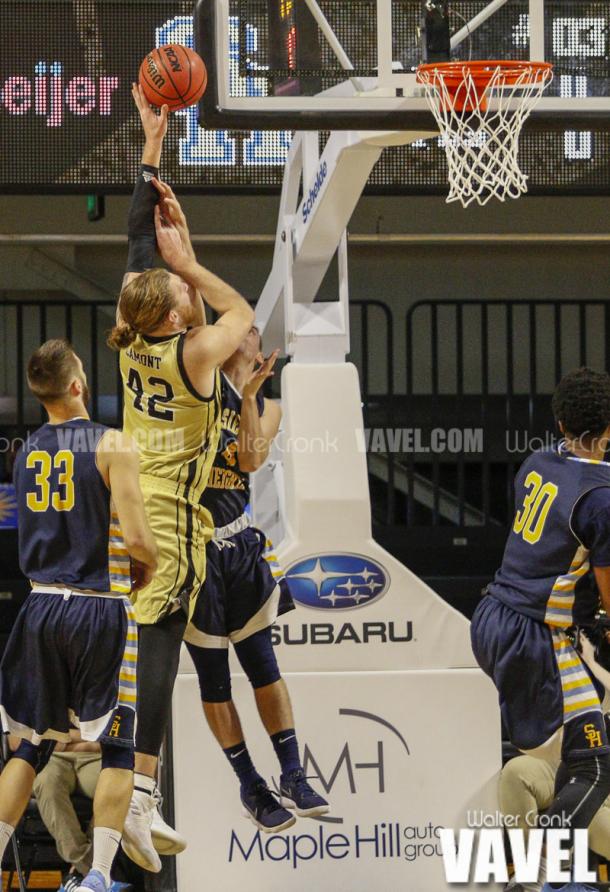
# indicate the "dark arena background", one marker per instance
pixel 68 124
pixel 459 324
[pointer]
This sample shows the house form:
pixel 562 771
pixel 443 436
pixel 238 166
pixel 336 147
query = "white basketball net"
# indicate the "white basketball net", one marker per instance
pixel 482 142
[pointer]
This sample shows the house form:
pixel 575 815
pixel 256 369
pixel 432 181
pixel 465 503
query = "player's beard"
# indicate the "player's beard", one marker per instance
pixel 188 317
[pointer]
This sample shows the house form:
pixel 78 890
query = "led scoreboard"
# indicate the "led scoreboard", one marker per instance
pixel 67 123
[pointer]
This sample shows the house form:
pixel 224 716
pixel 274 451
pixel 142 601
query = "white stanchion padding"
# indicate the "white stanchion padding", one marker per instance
pixel 395 722
pixel 357 606
pixel 398 754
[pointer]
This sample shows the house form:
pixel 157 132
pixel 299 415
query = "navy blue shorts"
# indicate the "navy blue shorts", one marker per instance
pixel 244 591
pixel 71 661
pixel 542 682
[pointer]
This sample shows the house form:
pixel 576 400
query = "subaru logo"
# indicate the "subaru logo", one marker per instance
pixel 337 581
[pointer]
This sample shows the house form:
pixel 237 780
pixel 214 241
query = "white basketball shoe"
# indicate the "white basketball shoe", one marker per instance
pixel 137 833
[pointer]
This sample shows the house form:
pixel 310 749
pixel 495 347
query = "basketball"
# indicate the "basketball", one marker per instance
pixel 173 75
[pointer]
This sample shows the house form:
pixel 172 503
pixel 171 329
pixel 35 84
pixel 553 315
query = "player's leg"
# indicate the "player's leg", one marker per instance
pixel 181 564
pixel 258 660
pixel 516 652
pixel 101 650
pixel 33 694
pixel 158 659
pixel 16 782
pixel 599 831
pixel 583 779
pixel 110 806
pixel 257 594
pixel 544 687
pixel 212 665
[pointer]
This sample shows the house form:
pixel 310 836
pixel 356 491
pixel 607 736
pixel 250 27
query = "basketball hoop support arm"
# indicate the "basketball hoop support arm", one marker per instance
pixel 470 27
pixel 311 227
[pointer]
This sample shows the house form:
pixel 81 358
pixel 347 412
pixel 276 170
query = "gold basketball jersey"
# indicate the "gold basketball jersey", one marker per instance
pixel 175 428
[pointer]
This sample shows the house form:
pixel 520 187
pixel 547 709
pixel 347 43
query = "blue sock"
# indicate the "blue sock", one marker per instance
pixel 241 763
pixel 286 748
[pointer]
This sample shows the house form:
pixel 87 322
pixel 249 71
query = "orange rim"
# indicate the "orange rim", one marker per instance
pixel 451 74
pixel 482 70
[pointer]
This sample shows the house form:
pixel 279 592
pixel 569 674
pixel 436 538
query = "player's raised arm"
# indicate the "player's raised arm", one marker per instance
pixel 118 462
pixel 140 220
pixel 257 431
pixel 206 347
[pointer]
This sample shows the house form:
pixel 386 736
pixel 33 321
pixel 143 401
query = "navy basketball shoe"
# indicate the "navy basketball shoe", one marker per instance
pixel 264 810
pixel 296 793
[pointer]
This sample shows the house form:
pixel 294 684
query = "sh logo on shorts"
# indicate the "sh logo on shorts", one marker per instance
pixel 594 737
pixel 337 581
pixel 115 729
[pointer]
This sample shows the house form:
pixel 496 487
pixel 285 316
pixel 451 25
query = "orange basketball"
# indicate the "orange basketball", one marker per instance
pixel 173 75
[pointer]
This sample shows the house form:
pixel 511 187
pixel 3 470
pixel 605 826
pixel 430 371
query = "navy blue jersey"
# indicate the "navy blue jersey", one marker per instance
pixel 546 562
pixel 68 532
pixel 228 491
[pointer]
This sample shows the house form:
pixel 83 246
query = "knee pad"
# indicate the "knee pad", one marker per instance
pixel 36 756
pixel 212 666
pixel 258 660
pixel 114 756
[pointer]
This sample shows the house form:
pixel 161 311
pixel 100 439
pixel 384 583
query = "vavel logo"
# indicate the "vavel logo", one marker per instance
pixel 337 581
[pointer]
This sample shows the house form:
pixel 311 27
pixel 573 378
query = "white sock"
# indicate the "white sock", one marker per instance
pixel 6 831
pixel 143 782
pixel 105 846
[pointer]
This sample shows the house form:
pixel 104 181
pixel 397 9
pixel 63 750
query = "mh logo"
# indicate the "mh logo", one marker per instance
pixel 337 581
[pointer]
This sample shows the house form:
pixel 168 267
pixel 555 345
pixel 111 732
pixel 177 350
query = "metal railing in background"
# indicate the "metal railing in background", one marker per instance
pixel 375 363
pixel 478 369
pixel 29 323
pixel 486 366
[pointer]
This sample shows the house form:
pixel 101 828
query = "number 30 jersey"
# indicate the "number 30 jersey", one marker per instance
pixel 176 428
pixel 545 565
pixel 69 533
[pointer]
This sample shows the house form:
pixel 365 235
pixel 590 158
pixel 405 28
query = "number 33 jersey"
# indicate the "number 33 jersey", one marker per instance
pixel 560 530
pixel 69 533
pixel 176 428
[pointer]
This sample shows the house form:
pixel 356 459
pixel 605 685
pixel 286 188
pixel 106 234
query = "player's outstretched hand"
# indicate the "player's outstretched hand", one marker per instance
pixel 141 575
pixel 169 241
pixel 155 125
pixel 171 209
pixel 260 375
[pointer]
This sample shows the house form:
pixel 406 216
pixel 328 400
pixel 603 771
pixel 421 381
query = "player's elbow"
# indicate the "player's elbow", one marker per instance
pixel 247 313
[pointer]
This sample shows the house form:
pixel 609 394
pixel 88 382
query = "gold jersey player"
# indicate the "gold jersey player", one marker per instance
pixel 169 364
